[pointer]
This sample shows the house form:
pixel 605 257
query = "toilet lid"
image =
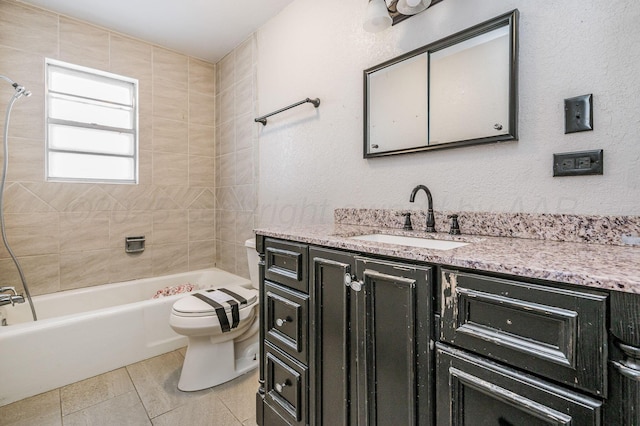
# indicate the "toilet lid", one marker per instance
pixel 194 306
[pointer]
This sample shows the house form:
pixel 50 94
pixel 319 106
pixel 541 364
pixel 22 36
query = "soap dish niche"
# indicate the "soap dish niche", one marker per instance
pixel 134 244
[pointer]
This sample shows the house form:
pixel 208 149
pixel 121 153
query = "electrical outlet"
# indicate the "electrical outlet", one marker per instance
pixel 578 114
pixel 578 163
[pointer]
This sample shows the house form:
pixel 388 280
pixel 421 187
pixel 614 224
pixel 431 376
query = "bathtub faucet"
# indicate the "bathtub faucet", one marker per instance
pixel 12 299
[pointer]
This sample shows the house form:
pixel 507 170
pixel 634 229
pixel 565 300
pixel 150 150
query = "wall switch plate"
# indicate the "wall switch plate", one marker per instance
pixel 578 114
pixel 578 163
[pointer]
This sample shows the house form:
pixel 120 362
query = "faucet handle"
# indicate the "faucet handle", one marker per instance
pixel 407 221
pixel 455 226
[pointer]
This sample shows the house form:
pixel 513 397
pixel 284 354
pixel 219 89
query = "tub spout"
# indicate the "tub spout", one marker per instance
pixel 9 289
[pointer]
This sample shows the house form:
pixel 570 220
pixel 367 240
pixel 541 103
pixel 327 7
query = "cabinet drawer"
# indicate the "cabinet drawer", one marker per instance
pixel 286 324
pixel 477 392
pixel 285 386
pixel 286 263
pixel 554 332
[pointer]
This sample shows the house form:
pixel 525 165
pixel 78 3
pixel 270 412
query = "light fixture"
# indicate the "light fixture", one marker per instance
pixel 411 7
pixel 377 17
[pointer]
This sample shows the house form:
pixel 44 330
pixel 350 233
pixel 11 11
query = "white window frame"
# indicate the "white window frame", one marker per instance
pixel 133 107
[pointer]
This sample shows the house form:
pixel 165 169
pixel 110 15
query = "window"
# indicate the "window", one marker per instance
pixel 92 125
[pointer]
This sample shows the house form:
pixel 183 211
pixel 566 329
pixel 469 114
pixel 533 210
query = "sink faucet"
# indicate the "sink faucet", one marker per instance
pixel 431 221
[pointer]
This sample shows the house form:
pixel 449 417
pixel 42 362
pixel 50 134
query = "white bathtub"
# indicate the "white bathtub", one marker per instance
pixel 85 332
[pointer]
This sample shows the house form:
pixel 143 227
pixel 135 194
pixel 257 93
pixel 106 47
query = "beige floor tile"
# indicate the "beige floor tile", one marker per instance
pixel 123 410
pixel 84 394
pixel 239 395
pixel 156 380
pixel 41 410
pixel 206 411
pixel 251 422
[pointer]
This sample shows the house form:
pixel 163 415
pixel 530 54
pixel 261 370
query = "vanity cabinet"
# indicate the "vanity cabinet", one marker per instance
pixel 551 344
pixel 353 339
pixel 372 359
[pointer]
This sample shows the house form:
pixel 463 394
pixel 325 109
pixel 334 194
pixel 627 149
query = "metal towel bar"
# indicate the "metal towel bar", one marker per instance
pixel 263 119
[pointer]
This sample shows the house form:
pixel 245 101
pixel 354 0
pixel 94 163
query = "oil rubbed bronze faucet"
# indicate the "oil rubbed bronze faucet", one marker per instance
pixel 431 221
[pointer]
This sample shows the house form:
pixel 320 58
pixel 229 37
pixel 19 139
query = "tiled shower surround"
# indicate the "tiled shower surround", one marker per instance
pixel 69 235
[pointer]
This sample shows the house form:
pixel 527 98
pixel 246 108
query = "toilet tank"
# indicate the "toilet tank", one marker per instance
pixel 252 258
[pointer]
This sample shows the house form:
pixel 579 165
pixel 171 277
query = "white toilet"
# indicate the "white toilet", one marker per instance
pixel 222 326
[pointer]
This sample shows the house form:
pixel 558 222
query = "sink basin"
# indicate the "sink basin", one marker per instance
pixel 410 241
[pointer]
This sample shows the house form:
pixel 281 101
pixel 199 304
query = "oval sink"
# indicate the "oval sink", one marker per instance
pixel 410 241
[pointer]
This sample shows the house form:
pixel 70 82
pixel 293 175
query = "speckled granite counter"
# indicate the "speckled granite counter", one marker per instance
pixel 601 266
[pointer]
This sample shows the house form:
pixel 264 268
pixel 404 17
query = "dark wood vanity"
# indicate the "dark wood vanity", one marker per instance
pixel 354 338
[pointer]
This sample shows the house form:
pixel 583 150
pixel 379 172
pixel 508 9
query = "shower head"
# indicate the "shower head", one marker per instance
pixel 20 90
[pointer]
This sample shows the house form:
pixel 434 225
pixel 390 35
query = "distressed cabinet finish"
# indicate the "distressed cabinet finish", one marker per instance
pixel 554 332
pixel 353 339
pixel 372 333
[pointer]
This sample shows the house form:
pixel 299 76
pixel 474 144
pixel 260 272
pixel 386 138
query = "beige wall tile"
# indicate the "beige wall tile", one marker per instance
pixel 226 226
pixel 32 234
pixel 202 254
pixel 131 57
pixel 226 138
pixel 202 109
pixel 169 101
pixel 58 226
pixel 202 225
pixel 225 72
pixel 224 108
pixel 201 171
pixel 170 226
pixel 170 259
pixel 244 226
pixel 206 200
pixel 18 25
pixel 202 77
pixel 226 256
pixel 244 167
pixel 41 272
pixel 130 266
pixel 245 59
pixel 129 224
pixel 170 169
pixel 171 67
pixel 84 44
pixel 170 136
pixel 244 97
pixel 84 231
pixel 26 160
pixel 21 200
pixel 226 170
pixel 202 140
pixel 84 269
pixel 246 131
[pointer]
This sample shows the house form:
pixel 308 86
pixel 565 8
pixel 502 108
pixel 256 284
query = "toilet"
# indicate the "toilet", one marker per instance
pixel 222 326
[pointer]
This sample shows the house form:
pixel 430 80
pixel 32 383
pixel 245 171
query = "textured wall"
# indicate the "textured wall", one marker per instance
pixel 70 235
pixel 311 160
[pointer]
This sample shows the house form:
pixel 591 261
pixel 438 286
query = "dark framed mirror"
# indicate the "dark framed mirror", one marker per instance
pixel 458 91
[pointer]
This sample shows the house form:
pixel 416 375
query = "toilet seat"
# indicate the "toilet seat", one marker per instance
pixel 197 306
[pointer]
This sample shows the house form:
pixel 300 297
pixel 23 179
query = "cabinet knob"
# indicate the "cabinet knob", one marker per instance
pixel 357 285
pixel 282 321
pixel 280 386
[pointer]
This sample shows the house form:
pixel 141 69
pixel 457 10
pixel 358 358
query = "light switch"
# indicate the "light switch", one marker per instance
pixel 578 114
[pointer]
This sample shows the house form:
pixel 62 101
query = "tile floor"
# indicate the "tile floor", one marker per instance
pixel 144 393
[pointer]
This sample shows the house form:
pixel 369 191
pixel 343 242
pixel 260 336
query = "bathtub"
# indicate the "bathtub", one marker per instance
pixel 85 332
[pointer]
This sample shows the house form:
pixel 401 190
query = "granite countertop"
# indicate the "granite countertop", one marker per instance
pixel 593 265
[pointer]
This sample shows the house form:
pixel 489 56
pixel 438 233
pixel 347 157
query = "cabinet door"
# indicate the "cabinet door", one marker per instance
pixel 478 392
pixel 331 309
pixel 395 332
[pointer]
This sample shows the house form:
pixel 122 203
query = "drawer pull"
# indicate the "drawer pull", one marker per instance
pixel 282 321
pixel 280 386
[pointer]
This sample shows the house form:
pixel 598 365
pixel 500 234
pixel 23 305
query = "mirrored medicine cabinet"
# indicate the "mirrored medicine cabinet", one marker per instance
pixel 458 91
